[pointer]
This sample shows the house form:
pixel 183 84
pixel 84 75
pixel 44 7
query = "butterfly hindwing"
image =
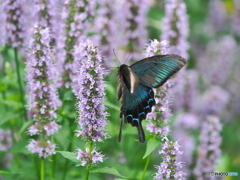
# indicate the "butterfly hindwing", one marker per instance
pixel 155 71
pixel 136 106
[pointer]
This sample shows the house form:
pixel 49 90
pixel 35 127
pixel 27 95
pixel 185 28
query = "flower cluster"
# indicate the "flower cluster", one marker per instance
pixel 175 27
pixel 170 167
pixel 73 25
pixel 43 149
pixel 235 19
pixel 156 48
pixel 43 98
pixel 133 15
pixel 90 95
pixel 215 56
pixel 47 15
pixel 13 22
pixel 214 100
pixel 217 17
pixel 5 140
pixel 185 91
pixel 209 150
pixel 158 118
pixel 41 13
pixel 89 158
pixel 39 127
pixel 105 25
pixel 92 115
pixel 161 112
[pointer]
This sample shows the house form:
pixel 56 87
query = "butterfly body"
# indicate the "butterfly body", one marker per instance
pixel 136 83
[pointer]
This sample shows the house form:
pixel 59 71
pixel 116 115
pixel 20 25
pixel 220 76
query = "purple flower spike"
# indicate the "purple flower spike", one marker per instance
pixel 175 27
pixel 13 22
pixel 43 97
pixel 209 151
pixel 133 25
pixel 170 167
pixel 74 26
pixel 105 26
pixel 158 118
pixel 92 115
pixel 5 140
pixel 216 51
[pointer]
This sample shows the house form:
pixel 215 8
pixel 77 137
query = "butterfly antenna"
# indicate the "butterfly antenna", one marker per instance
pixel 110 68
pixel 120 132
pixel 128 55
pixel 116 57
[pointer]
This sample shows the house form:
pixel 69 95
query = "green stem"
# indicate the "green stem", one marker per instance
pixel 35 159
pixel 87 174
pixel 20 82
pixel 52 171
pixel 53 163
pixel 3 74
pixel 89 166
pixel 42 169
pixel 68 149
pixel 146 166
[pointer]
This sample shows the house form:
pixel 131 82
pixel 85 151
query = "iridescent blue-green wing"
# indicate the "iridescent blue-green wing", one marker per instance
pixel 136 106
pixel 156 70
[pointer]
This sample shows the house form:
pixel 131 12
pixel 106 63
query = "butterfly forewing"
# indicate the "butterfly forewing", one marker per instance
pixel 155 71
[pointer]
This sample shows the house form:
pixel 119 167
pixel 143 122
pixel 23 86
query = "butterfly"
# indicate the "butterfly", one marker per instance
pixel 135 87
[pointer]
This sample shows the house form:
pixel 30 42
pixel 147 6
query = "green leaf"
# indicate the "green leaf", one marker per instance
pixel 68 96
pixel 11 104
pixel 19 147
pixel 8 172
pixel 71 156
pixel 107 170
pixel 8 116
pixel 152 144
pixel 113 106
pixel 25 126
pixel 5 172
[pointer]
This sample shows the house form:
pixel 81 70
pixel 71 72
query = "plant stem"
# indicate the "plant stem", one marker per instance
pixel 146 166
pixel 42 169
pixel 53 163
pixel 89 166
pixel 69 146
pixel 87 174
pixel 3 74
pixel 20 82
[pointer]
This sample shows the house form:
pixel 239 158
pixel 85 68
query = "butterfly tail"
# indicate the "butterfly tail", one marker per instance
pixel 120 132
pixel 141 134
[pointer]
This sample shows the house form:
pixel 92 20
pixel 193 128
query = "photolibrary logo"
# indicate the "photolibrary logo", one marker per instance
pixel 221 174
